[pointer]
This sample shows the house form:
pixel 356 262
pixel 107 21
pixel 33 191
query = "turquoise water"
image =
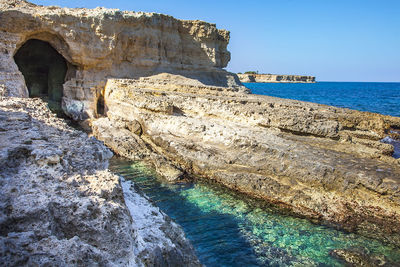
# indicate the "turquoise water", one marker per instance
pixel 376 97
pixel 229 229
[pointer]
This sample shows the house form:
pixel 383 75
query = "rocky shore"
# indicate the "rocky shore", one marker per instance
pixel 153 88
pixel 60 206
pixel 324 163
pixel 275 78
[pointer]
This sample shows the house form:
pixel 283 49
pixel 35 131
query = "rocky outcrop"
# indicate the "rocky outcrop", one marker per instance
pixel 158 85
pixel 60 206
pixel 321 162
pixel 275 78
pixel 101 43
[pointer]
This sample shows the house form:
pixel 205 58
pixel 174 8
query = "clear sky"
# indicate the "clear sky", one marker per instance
pixel 334 40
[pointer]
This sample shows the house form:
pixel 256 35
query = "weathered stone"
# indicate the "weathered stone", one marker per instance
pixel 123 44
pixel 135 127
pixel 128 144
pixel 60 206
pixel 322 162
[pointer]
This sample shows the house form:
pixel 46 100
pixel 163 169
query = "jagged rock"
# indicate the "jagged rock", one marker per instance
pixel 135 127
pixel 128 144
pixel 60 206
pixel 322 162
pixel 275 78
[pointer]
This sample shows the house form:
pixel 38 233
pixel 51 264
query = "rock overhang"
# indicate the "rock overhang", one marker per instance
pixel 105 43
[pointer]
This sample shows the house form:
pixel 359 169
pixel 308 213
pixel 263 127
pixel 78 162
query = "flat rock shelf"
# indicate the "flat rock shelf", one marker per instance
pixel 230 229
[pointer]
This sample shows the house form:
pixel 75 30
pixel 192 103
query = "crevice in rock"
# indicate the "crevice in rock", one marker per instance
pixel 100 107
pixel 347 128
pixel 294 132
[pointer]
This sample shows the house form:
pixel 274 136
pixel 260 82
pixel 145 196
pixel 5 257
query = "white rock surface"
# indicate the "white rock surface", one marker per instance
pixel 60 206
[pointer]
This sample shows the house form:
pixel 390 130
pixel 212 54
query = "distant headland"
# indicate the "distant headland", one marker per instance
pixel 254 77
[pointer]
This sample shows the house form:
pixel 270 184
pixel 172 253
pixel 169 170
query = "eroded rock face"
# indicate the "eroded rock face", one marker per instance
pixel 321 162
pixel 101 43
pixel 275 78
pixel 60 206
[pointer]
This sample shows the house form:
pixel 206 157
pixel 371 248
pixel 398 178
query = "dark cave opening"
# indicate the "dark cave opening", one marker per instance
pixel 44 70
pixel 100 106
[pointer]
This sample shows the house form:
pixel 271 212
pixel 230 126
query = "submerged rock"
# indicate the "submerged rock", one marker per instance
pixel 60 205
pixel 360 257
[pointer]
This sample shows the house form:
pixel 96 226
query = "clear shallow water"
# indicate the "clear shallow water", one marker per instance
pixel 376 97
pixel 229 229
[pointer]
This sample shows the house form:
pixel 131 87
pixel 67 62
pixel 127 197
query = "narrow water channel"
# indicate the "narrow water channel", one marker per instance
pixel 229 229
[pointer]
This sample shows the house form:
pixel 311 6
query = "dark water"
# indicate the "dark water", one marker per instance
pixel 376 97
pixel 228 229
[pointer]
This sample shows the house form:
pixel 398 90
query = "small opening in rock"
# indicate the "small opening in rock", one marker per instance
pixel 44 70
pixel 100 106
pixel 177 111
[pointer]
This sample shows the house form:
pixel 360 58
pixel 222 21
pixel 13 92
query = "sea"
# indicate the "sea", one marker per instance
pixel 378 97
pixel 227 228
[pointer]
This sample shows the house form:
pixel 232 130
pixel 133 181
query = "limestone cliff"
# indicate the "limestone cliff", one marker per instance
pixel 275 78
pixel 101 43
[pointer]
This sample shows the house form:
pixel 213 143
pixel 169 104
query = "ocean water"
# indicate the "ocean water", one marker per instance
pixel 383 98
pixel 229 229
pixel 376 97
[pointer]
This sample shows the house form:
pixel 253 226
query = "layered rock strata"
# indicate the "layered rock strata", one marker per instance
pixel 321 162
pixel 60 206
pixel 275 78
pixel 101 43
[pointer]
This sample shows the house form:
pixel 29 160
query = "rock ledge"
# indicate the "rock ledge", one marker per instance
pixel 60 206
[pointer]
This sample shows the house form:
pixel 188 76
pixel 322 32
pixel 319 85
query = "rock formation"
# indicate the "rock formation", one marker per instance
pixel 321 162
pixel 157 84
pixel 60 206
pixel 275 78
pixel 101 43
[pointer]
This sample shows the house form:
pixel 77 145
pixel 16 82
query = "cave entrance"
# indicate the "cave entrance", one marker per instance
pixel 44 70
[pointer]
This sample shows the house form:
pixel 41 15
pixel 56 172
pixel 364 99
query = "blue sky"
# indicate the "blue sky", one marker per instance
pixel 334 40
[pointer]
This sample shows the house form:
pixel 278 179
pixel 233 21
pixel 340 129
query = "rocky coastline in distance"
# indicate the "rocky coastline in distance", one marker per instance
pixel 274 78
